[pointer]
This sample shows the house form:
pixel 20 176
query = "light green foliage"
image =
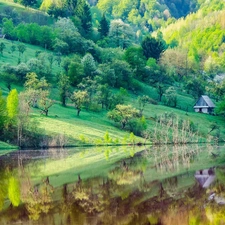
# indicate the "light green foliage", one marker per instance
pixel 89 65
pixel 104 96
pixel 45 102
pixel 175 62
pixel 8 28
pixel 142 101
pixel 107 138
pixel 12 104
pixel 46 4
pixel 21 48
pixel 64 85
pixel 106 5
pixel 39 66
pixel 37 93
pixel 121 34
pixel 171 97
pixel 134 56
pixel 75 72
pixel 79 98
pixel 123 114
pixel 14 191
pixel 65 27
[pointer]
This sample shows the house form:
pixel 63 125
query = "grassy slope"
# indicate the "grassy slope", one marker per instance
pixel 89 124
pixel 95 125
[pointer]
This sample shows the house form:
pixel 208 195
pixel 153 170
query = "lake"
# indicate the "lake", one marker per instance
pixel 171 185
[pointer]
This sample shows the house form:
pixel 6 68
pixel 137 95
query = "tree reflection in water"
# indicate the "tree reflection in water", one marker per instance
pixel 155 186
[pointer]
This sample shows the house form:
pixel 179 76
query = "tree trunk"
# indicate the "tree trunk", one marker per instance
pixel 78 112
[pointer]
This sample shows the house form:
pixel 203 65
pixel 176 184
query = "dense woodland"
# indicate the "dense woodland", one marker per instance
pixel 96 53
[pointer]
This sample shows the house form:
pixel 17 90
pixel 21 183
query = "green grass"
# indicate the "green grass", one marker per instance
pixel 94 125
pixel 4 145
pixel 89 124
pixel 12 58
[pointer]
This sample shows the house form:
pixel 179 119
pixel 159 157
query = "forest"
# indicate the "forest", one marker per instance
pixel 136 66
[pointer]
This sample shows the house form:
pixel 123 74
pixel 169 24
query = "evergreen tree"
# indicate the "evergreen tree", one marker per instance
pixel 86 19
pixel 83 12
pixel 103 27
pixel 28 2
pixel 152 47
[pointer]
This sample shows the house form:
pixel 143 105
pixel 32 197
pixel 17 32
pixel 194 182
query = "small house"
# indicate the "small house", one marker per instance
pixel 205 177
pixel 204 105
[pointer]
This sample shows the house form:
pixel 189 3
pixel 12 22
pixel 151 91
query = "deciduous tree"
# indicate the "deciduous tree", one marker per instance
pixel 121 34
pixel 12 105
pixel 123 114
pixel 79 98
pixel 64 85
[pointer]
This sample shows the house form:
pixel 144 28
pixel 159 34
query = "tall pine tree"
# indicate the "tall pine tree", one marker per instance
pixel 103 28
pixel 83 12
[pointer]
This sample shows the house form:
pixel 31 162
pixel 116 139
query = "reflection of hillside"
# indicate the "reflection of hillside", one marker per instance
pixel 170 158
pixel 152 186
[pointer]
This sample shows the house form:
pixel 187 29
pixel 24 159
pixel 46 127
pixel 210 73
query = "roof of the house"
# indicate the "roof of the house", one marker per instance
pixel 205 179
pixel 208 102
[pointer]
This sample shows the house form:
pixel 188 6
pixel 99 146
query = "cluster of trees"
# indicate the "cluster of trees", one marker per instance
pixel 115 57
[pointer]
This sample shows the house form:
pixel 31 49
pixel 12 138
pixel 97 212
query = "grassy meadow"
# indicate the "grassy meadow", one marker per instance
pixel 90 127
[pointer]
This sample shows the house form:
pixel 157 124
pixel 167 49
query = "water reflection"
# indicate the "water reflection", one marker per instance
pixel 163 185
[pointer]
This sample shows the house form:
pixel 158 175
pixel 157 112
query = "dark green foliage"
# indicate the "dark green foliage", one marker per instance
pixel 8 79
pixel 3 113
pixel 195 87
pixel 28 2
pixel 2 47
pixel 138 125
pixel 86 19
pixel 152 47
pixel 123 74
pixel 103 28
pixel 19 71
pixel 181 8
pixel 83 13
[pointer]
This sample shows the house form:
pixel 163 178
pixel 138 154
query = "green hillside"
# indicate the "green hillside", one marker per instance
pixel 74 78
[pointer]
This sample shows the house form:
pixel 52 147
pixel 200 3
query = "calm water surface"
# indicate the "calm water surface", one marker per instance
pixel 171 185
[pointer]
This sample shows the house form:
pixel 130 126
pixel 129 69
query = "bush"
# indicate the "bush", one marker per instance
pixel 137 126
